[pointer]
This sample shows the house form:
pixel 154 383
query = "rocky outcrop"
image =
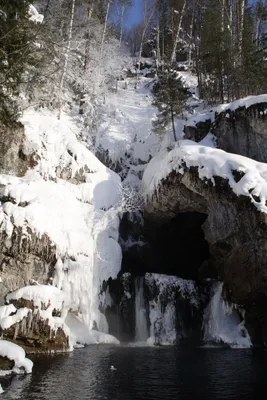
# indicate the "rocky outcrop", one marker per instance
pixel 13 160
pixel 24 258
pixel 33 332
pixel 197 131
pixel 241 130
pixel 235 230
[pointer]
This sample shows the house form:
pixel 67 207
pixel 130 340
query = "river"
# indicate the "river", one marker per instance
pixel 150 373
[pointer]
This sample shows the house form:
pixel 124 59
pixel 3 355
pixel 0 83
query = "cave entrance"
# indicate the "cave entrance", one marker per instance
pixel 178 247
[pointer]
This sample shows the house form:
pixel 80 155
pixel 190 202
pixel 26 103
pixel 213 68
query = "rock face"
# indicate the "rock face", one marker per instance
pixel 235 231
pixel 24 259
pixel 242 131
pixel 12 158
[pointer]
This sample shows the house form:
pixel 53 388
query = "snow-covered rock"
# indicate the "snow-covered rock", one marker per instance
pixel 231 191
pixel 239 127
pixel 59 224
pixel 16 353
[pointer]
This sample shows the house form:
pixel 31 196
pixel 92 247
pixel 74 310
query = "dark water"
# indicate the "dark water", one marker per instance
pixel 144 373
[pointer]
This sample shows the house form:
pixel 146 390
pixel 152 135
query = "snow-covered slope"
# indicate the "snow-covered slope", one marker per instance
pixel 126 131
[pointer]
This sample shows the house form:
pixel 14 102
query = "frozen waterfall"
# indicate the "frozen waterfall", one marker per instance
pixel 157 317
pixel 222 324
pixel 141 329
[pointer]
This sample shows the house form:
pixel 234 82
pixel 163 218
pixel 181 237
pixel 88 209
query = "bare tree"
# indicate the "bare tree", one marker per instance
pixel 148 15
pixel 176 40
pixel 66 55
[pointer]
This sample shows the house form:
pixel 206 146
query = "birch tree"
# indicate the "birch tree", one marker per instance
pixel 66 56
pixel 148 15
pixel 176 40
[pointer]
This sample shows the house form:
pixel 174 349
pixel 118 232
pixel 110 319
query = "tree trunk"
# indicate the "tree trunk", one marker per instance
pixel 173 56
pixel 104 30
pixel 147 20
pixel 122 18
pixel 158 47
pixel 189 59
pixel 173 124
pixel 66 55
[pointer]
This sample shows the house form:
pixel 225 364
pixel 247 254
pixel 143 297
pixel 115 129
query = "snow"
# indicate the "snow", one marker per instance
pixel 5 311
pixel 211 162
pixel 126 128
pixel 34 15
pixel 211 114
pixel 39 294
pixel 244 102
pixel 72 199
pixel 10 320
pixel 201 117
pixel 16 353
pixel 80 333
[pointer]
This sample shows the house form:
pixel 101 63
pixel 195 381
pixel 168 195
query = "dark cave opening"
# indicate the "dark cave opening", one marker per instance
pixel 177 247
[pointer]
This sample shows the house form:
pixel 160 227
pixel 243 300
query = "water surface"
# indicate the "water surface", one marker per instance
pixel 150 373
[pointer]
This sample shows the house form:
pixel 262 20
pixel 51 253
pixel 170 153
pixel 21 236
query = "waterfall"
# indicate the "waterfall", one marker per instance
pixel 162 323
pixel 141 331
pixel 223 324
pixel 164 315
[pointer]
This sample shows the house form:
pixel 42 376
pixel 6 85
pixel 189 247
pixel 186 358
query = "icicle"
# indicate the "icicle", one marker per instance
pixel 222 322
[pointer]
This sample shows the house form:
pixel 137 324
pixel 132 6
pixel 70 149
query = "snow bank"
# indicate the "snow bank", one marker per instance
pixel 80 333
pixel 211 162
pixel 40 294
pixel 16 353
pixel 244 102
pixel 201 117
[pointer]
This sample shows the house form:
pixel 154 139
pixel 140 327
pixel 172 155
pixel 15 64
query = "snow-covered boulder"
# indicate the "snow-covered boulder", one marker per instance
pixel 16 354
pixel 239 127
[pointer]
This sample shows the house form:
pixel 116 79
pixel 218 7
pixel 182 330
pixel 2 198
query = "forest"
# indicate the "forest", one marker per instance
pixel 74 51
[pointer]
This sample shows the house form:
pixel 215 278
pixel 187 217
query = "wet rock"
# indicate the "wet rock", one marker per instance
pixel 236 232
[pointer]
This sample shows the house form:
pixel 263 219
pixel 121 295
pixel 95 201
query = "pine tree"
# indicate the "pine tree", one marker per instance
pixel 16 54
pixel 170 96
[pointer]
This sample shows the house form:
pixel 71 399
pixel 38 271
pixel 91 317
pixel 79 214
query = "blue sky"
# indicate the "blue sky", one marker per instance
pixel 134 14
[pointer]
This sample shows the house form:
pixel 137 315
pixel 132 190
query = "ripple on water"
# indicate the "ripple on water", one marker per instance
pixel 144 373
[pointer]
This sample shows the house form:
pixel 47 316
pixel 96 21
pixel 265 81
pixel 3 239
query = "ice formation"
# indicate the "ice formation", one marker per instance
pixel 223 324
pixel 72 198
pixel 159 309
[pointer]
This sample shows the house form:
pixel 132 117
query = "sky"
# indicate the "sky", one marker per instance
pixel 134 14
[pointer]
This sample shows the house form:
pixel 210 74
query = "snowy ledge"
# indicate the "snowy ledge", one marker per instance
pixel 245 176
pixel 211 114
